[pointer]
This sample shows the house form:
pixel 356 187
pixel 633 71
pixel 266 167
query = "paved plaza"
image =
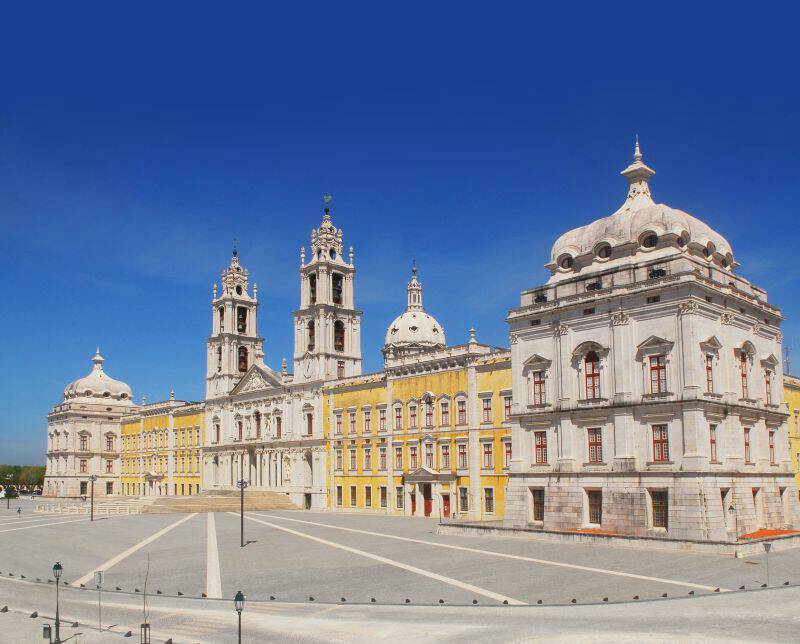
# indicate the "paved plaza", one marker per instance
pixel 356 567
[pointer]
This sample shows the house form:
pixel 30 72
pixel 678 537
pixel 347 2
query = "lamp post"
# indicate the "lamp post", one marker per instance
pixel 8 491
pixel 57 569
pixel 767 546
pixel 241 484
pixel 238 603
pixel 92 479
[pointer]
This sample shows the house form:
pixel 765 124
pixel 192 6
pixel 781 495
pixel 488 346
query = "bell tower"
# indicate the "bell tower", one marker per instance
pixel 234 343
pixel 327 332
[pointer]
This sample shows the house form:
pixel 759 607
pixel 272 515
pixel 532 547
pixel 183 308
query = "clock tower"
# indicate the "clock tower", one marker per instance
pixel 327 330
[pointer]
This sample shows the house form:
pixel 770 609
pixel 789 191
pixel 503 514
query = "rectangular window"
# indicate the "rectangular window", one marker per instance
pixel 367 458
pixel 592 371
pixel 486 410
pixel 658 375
pixel 338 459
pixel 743 375
pixel 540 443
pixel 660 509
pixel 444 410
pixel 109 466
pixel 428 413
pixel 381 420
pixel 488 500
pixel 429 456
pixel 338 420
pixel 412 416
pixel 595 498
pixel 488 456
pixel 538 388
pixel 309 424
pixel 771 435
pixel 747 445
pixel 506 408
pixel 109 443
pixel 412 457
pixel 712 438
pixel 595 445
pixel 368 497
pixel 538 504
pixel 384 500
pixel 462 456
pixel 398 458
pixel 84 466
pixel 709 373
pixel 398 418
pixel 353 496
pixel 339 495
pixel 462 412
pixel 367 422
pixel 660 443
pixel 340 365
pixel 768 387
pixel 353 465
pixel 398 494
pixel 278 426
pixel 382 459
pixel 445 456
pixel 352 420
pixel 507 454
pixel 84 443
pixel 84 488
pixel 463 499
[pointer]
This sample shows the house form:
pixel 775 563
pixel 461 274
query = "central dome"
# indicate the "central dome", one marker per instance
pixel 98 386
pixel 414 330
pixel 639 225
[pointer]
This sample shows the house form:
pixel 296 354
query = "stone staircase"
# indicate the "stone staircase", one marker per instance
pixel 220 501
pixel 107 506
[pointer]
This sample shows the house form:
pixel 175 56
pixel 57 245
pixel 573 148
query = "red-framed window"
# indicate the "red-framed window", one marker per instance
pixel 660 443
pixel 488 456
pixel 84 440
pixel 595 499
pixel 771 447
pixel 747 445
pixel 591 364
pixel 768 387
pixel 109 443
pixel 462 412
pixel 84 466
pixel 367 421
pixel 353 465
pixel 278 426
pixel 445 455
pixel 658 374
pixel 712 438
pixel 340 366
pixel 398 458
pixel 382 420
pixel 743 375
pixel 709 373
pixel 429 455
pixel 109 466
pixel 428 413
pixel 486 410
pixel 382 458
pixel 412 457
pixel 412 416
pixel 398 417
pixel 444 411
pixel 507 454
pixel 367 458
pixel 595 435
pixel 338 419
pixel 506 407
pixel 462 456
pixel 540 443
pixel 352 419
pixel 538 388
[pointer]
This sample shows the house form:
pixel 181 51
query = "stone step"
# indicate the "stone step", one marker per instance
pixel 220 503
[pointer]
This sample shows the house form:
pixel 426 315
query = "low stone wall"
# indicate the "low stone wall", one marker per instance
pixel 736 549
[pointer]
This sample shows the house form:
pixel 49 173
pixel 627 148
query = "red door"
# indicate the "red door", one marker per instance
pixel 414 502
pixel 446 505
pixel 426 494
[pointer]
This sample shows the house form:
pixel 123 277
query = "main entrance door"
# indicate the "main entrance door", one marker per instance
pixel 446 505
pixel 426 494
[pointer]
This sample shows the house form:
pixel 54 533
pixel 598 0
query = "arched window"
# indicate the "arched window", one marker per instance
pixel 591 365
pixel 242 359
pixel 338 336
pixel 257 423
pixel 312 288
pixel 311 335
pixel 336 288
pixel 743 374
pixel 222 319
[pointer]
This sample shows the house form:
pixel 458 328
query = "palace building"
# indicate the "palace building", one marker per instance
pixel 430 434
pixel 647 384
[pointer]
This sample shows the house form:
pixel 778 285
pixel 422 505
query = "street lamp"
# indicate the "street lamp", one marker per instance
pixel 241 484
pixel 92 478
pixel 8 491
pixel 57 569
pixel 238 603
pixel 767 546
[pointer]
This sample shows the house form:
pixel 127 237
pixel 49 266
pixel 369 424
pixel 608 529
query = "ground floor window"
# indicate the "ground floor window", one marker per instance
pixel 463 499
pixel 595 500
pixel 384 499
pixel 368 496
pixel 339 495
pixel 109 488
pixel 488 500
pixel 353 496
pixel 538 504
pixel 398 491
pixel 83 488
pixel 660 509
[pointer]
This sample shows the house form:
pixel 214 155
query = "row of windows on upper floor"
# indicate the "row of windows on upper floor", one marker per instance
pixel 59 466
pixel 260 427
pixel 400 494
pixel 158 438
pixel 658 445
pixel 433 457
pixel 428 415
pixel 657 378
pixel 58 441
pixel 160 465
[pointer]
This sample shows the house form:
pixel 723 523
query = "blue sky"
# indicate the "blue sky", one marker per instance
pixel 136 143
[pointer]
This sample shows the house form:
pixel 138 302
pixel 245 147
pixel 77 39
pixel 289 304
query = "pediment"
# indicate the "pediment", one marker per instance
pixel 655 343
pixel 770 362
pixel 256 379
pixel 537 361
pixel 711 344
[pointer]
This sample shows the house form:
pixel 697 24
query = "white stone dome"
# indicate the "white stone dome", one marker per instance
pixel 98 386
pixel 417 328
pixel 636 221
